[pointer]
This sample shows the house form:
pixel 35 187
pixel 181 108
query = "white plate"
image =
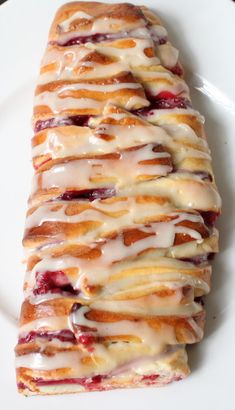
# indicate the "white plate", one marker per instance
pixel 204 33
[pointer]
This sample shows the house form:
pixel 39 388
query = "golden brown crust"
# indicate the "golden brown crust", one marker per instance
pixel 124 77
pixel 124 14
pixel 81 67
pixel 48 231
pixel 200 189
pixel 121 96
pixel 186 331
pixel 173 368
pixel 109 284
pixel 53 307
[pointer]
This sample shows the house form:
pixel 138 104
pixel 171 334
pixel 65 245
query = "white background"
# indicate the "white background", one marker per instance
pixel 204 31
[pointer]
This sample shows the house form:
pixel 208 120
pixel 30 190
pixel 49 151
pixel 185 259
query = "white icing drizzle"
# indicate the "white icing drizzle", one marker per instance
pixel 104 88
pixel 65 58
pixel 154 340
pixel 159 116
pixel 184 190
pixel 38 361
pixel 168 55
pixel 165 53
pixel 68 59
pixel 149 308
pixel 50 323
pixel 70 73
pixel 64 25
pixel 107 25
pixel 71 141
pixel 161 235
pixel 140 32
pixel 57 103
pixel 147 335
pixel 117 360
pixel 105 170
pixel 138 272
pixel 158 31
pixel 120 280
pixel 133 56
pixel 123 212
pixel 154 82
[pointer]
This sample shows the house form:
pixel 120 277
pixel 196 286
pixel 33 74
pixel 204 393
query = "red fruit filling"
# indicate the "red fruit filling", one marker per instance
pixel 150 378
pixel 53 282
pixel 62 335
pixel 200 300
pixel 198 260
pixel 86 340
pixel 210 217
pixel 161 41
pixel 205 176
pixel 160 103
pixel 91 383
pixel 165 95
pixel 21 385
pixel 178 378
pixel 79 120
pixel 75 307
pixel 98 37
pixel 93 38
pixel 177 70
pixel 164 100
pixel 88 383
pixel 157 40
pixel 90 194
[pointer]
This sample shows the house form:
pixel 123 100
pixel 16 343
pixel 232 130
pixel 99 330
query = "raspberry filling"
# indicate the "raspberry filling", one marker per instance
pixel 205 176
pixel 98 37
pixel 79 120
pixel 85 337
pixel 150 377
pixel 93 38
pixel 177 70
pixel 87 382
pixel 62 335
pixel 160 41
pixel 91 383
pixel 86 340
pixel 53 282
pixel 210 217
pixel 89 194
pixel 199 260
pixel 200 300
pixel 169 103
pixel 164 100
pixel 22 386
